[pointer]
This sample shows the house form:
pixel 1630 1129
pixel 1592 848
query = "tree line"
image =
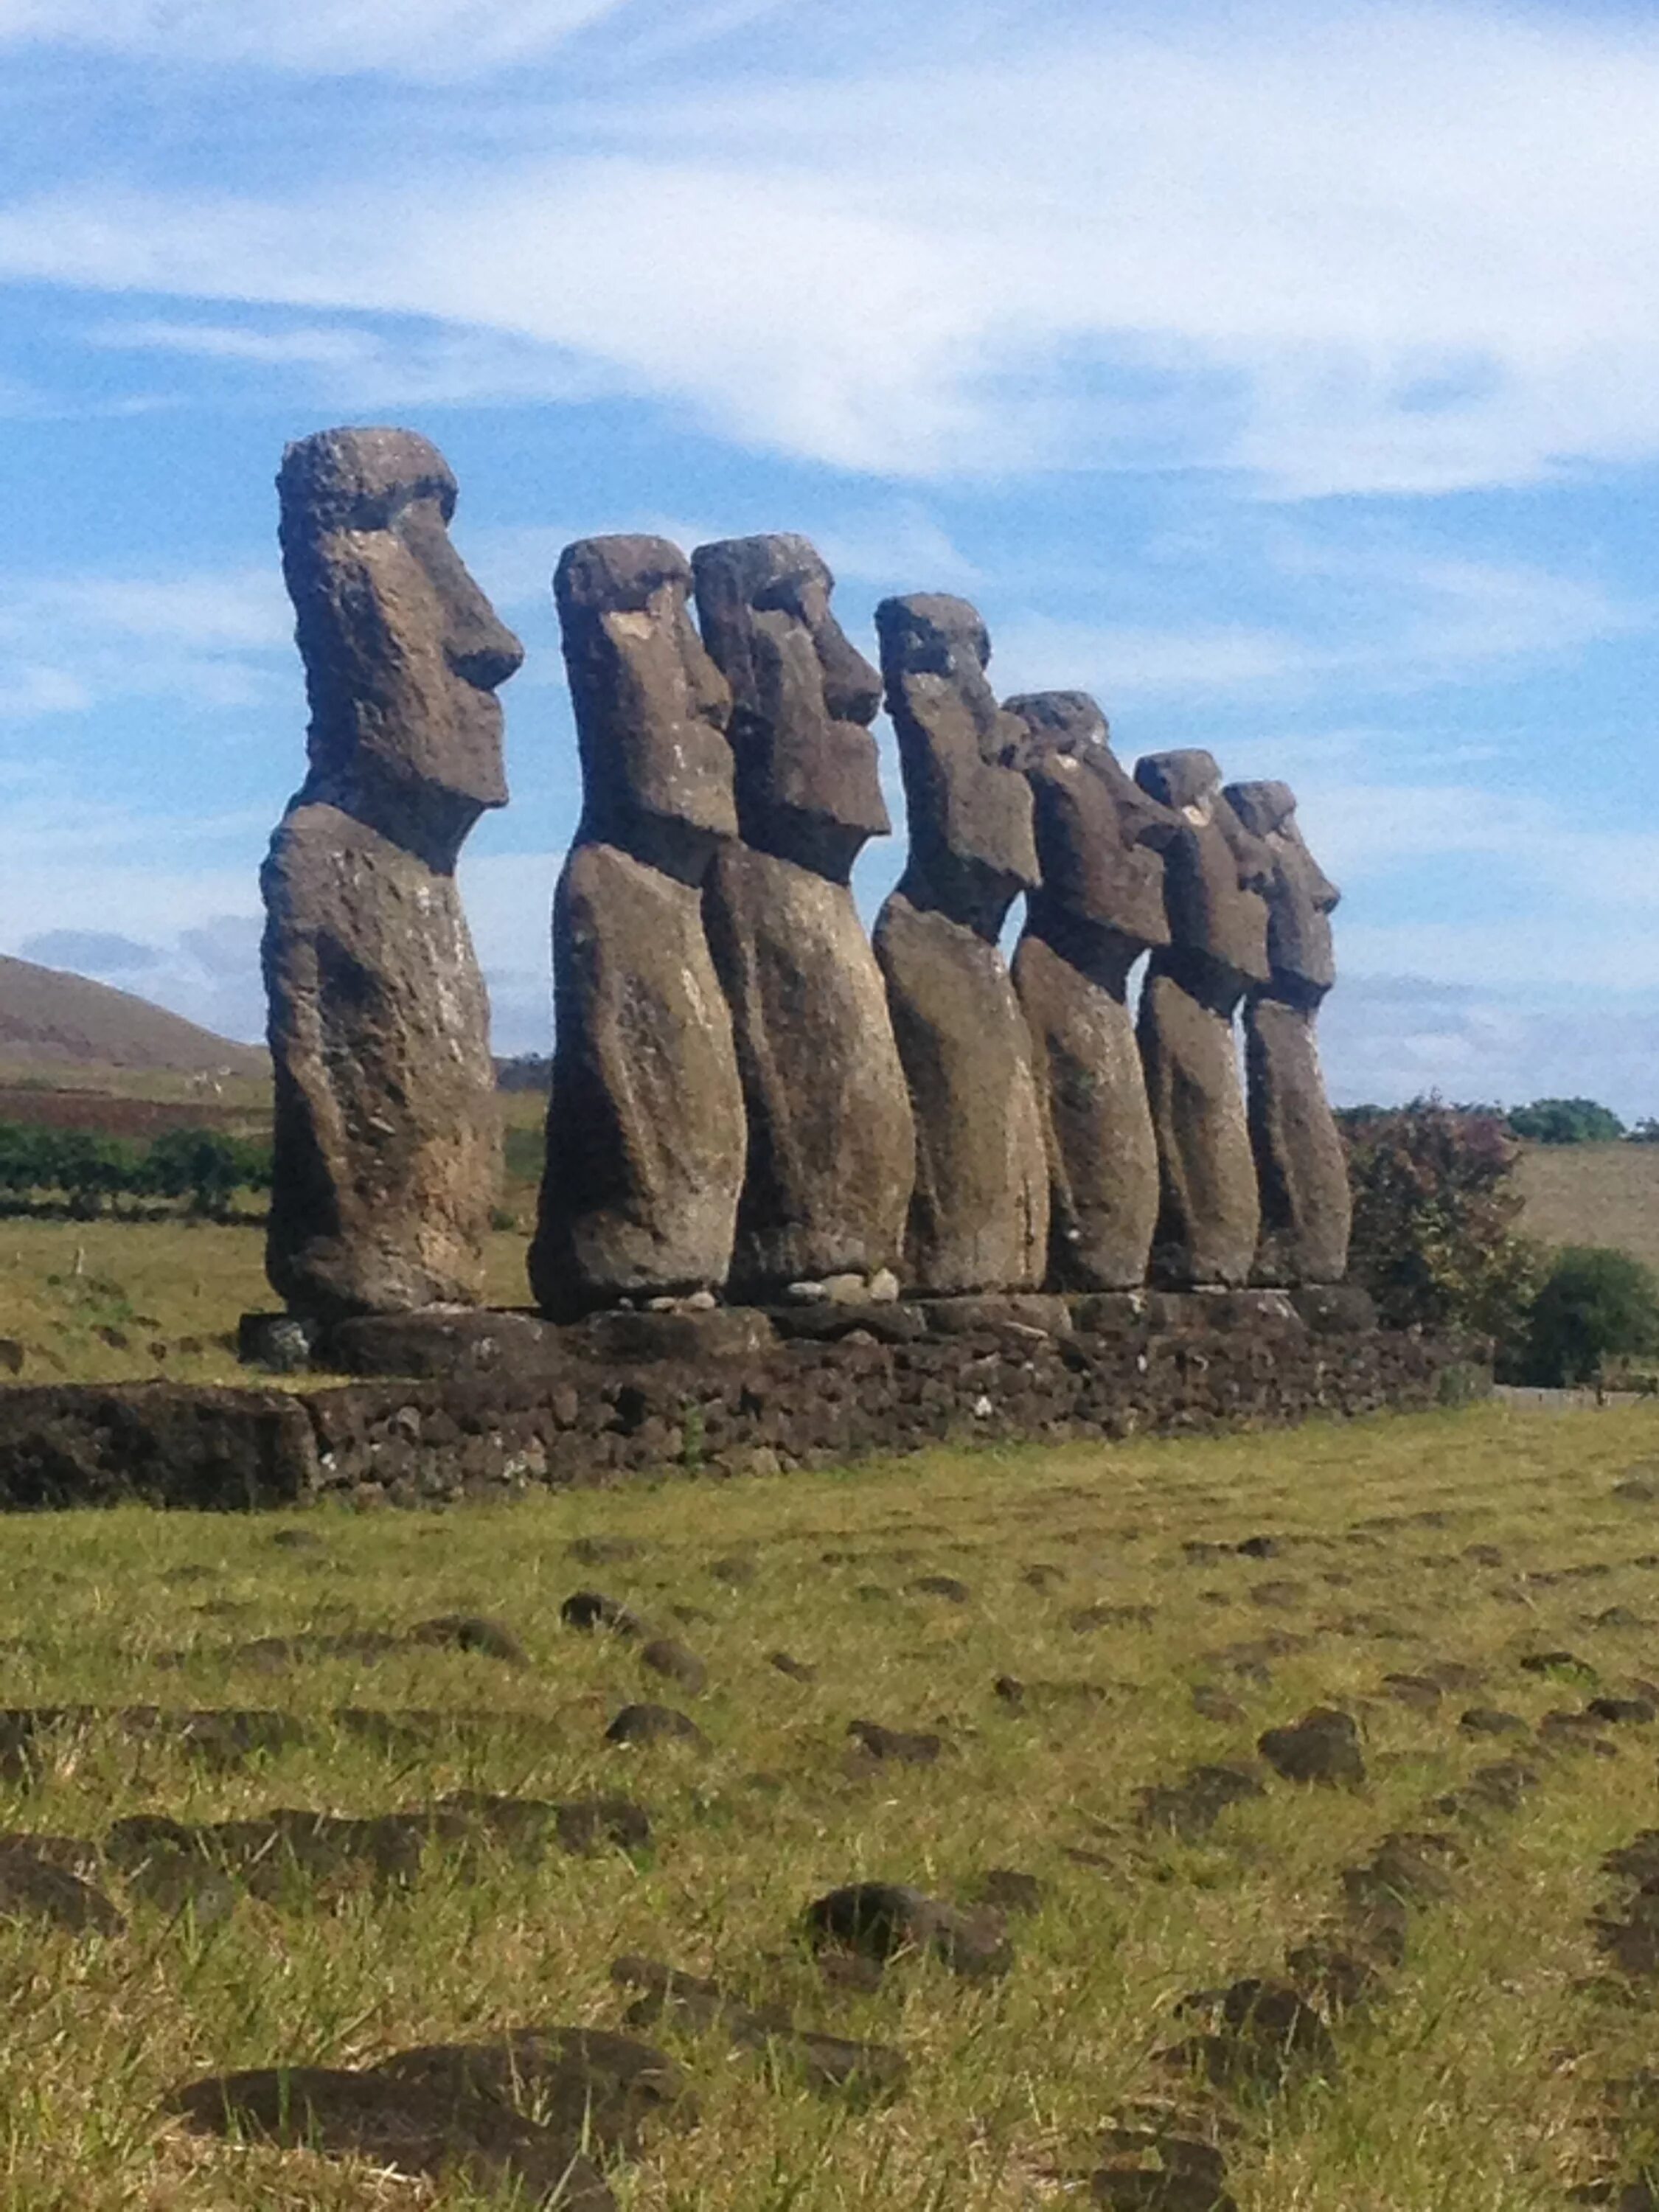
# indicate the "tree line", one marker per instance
pixel 201 1171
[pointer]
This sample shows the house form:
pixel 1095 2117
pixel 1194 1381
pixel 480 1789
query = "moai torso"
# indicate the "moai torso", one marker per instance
pixel 1100 841
pixel 1209 1214
pixel 645 1128
pixel 1306 1205
pixel 386 1155
pixel 979 1217
pixel 831 1158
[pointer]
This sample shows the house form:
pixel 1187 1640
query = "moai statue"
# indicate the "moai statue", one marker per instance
pixel 1214 874
pixel 831 1144
pixel 1307 1209
pixel 1100 842
pixel 645 1126
pixel 387 1140
pixel 979 1218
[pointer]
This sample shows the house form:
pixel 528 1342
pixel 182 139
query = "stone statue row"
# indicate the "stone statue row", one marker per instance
pixel 748 1094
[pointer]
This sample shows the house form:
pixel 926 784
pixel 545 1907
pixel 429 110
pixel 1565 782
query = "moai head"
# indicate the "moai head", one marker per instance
pixel 803 698
pixel 651 705
pixel 972 849
pixel 1100 838
pixel 1215 872
pixel 402 652
pixel 1300 896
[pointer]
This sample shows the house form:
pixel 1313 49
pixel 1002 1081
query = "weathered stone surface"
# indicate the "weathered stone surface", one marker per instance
pixel 645 1126
pixel 1209 1213
pixel 979 1217
pixel 386 1149
pixel 1100 840
pixel 167 1443
pixel 1307 1209
pixel 831 1145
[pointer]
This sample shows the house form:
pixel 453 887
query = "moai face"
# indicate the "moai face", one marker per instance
pixel 651 705
pixel 1300 896
pixel 803 698
pixel 402 652
pixel 972 848
pixel 1100 838
pixel 1216 873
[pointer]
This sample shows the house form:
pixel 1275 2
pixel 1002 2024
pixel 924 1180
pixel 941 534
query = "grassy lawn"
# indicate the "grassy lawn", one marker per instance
pixel 1471 2079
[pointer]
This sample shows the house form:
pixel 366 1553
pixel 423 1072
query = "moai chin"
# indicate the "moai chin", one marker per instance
pixel 1307 1207
pixel 1100 842
pixel 1215 874
pixel 387 1157
pixel 645 1126
pixel 831 1145
pixel 979 1217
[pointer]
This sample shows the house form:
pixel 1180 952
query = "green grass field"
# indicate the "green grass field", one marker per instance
pixel 1472 2080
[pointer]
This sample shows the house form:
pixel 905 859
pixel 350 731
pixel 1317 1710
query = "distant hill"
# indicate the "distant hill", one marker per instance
pixel 55 1020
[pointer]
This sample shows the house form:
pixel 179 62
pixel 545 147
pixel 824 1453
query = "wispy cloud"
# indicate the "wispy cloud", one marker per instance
pixel 1401 249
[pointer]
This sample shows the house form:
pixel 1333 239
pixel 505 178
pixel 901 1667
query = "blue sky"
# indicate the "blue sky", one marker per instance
pixel 1288 376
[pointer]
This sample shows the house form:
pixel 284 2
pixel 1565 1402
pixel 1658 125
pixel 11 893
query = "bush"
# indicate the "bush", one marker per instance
pixel 1566 1121
pixel 1434 1241
pixel 1596 1303
pixel 81 1170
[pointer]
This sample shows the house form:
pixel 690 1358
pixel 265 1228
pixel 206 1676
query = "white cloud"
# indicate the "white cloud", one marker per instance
pixel 412 38
pixel 1399 248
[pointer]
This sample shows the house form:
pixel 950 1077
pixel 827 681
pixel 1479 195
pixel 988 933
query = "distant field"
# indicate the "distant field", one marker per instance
pixel 1593 1194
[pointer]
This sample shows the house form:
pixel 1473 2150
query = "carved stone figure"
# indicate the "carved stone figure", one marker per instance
pixel 831 1144
pixel 1215 873
pixel 387 1143
pixel 645 1125
pixel 1100 840
pixel 1307 1209
pixel 979 1217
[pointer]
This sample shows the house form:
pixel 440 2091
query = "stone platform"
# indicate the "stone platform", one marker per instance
pixel 448 1406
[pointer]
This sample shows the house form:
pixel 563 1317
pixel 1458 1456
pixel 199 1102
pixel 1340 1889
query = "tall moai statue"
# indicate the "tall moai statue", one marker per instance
pixel 387 1143
pixel 1100 842
pixel 831 1144
pixel 645 1126
pixel 979 1217
pixel 1307 1209
pixel 1214 874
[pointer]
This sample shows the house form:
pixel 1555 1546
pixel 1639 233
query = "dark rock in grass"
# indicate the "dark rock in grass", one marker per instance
pixel 827 2062
pixel 603 1550
pixel 1278 1596
pixel 1498 1788
pixel 797 1670
pixel 590 1609
pixel 1558 1663
pixel 474 1633
pixel 944 1586
pixel 1637 1860
pixel 1571 1731
pixel 578 2079
pixel 1618 1616
pixel 1420 1692
pixel 584 1824
pixel 297 1539
pixel 1048 1696
pixel 1453 1675
pixel 1212 1705
pixel 1259 1547
pixel 33 1888
pixel 734 1569
pixel 1189 1809
pixel 1142 2189
pixel 1006 1889
pixel 1638 1489
pixel 871 1593
pixel 676 1663
pixel 1487 1720
pixel 425 2131
pixel 1484 1555
pixel 648 1724
pixel 1332 1973
pixel 880 1920
pixel 1088 1618
pixel 1042 1578
pixel 1200 1551
pixel 1622 1711
pixel 1268 2037
pixel 906 1748
pixel 267 1654
pixel 1409 1867
pixel 1322 1746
